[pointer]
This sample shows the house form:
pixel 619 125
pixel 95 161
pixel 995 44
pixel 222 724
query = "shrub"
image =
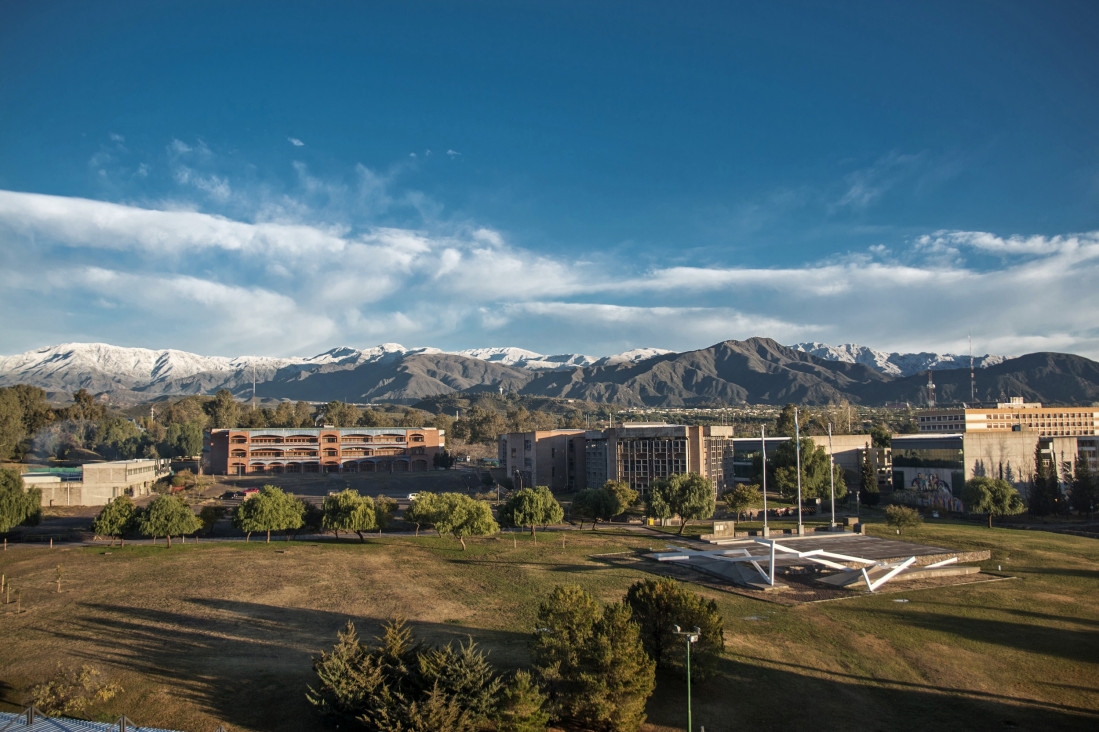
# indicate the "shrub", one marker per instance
pixel 72 692
pixel 902 517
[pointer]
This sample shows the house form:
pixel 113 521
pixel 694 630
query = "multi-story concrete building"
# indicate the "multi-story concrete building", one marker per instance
pixel 94 484
pixel 928 462
pixel 1013 416
pixel 553 458
pixel 323 450
pixel 640 453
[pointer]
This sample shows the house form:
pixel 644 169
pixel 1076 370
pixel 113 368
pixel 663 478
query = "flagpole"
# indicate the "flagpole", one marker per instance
pixel 797 447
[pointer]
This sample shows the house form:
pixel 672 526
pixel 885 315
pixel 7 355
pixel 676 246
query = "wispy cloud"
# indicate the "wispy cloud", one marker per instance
pixel 302 273
pixel 295 142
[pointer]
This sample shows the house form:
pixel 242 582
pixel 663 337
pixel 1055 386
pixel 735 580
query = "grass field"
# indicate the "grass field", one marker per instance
pixel 223 633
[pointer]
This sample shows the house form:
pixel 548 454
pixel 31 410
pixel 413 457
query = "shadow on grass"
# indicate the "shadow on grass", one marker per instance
pixel 1073 645
pixel 246 664
pixel 751 693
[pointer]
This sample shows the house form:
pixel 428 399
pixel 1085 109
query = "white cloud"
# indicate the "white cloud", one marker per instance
pixel 282 281
pixel 453 154
pixel 295 142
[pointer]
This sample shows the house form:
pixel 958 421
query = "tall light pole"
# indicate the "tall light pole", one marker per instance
pixel 763 455
pixel 692 637
pixel 832 475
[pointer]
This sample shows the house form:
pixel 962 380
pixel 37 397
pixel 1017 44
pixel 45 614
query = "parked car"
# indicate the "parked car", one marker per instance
pixel 413 496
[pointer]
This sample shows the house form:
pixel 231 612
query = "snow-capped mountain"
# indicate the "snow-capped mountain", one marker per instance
pixel 895 364
pixel 755 371
pixel 100 366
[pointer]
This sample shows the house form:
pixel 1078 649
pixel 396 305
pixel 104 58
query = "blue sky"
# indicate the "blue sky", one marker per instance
pixel 282 178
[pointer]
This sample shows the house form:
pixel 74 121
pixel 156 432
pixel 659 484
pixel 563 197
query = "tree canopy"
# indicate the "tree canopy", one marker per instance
pixel 348 511
pixel 592 661
pixel 401 685
pixel 17 506
pixel 660 604
pixel 741 497
pixel 994 496
pixel 531 507
pixel 269 510
pixel 687 495
pixel 115 519
pixel 168 516
pixel 815 481
pixel 460 516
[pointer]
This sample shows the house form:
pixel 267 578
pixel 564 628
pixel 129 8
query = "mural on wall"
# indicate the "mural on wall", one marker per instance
pixel 927 488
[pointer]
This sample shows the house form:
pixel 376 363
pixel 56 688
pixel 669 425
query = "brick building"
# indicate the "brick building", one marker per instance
pixel 322 450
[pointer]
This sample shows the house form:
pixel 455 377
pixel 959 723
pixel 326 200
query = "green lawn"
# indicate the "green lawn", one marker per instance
pixel 223 633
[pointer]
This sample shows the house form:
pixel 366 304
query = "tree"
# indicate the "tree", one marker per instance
pixel 880 436
pixel 660 604
pixel 168 516
pixel 209 516
pixel 591 661
pixel 621 497
pixel 182 440
pixel 531 507
pixel 620 676
pixel 1084 487
pixel 269 510
pixel 347 511
pixel 115 519
pixel 591 503
pixel 815 464
pixel 1045 489
pixel 460 516
pixel 339 414
pixel 422 511
pixel 17 505
pixel 902 517
pixel 687 495
pixel 224 410
pixel 868 490
pixel 401 684
pixel 523 707
pixel 741 497
pixel 993 496
pixel 12 430
pixel 384 508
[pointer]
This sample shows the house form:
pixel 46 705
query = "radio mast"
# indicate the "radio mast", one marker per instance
pixel 930 390
pixel 972 378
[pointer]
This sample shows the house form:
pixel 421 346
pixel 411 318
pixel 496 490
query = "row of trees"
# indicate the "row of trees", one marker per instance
pixel 593 668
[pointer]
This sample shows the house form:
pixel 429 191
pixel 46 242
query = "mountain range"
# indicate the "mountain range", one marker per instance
pixel 755 371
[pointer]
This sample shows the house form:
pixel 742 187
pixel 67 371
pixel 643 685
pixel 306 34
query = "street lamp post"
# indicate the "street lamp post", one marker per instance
pixel 692 637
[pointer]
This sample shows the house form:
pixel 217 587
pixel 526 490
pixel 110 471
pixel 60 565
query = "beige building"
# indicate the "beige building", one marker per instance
pixel 94 484
pixel 1013 416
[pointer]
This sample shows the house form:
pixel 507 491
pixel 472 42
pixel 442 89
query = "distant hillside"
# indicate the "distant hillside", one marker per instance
pixel 754 371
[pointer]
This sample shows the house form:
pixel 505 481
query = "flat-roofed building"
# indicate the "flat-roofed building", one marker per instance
pixel 553 458
pixel 1013 416
pixel 94 484
pixel 323 450
pixel 641 452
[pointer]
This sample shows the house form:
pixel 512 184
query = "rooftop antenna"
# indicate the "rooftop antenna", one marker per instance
pixel 253 387
pixel 972 377
pixel 930 390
